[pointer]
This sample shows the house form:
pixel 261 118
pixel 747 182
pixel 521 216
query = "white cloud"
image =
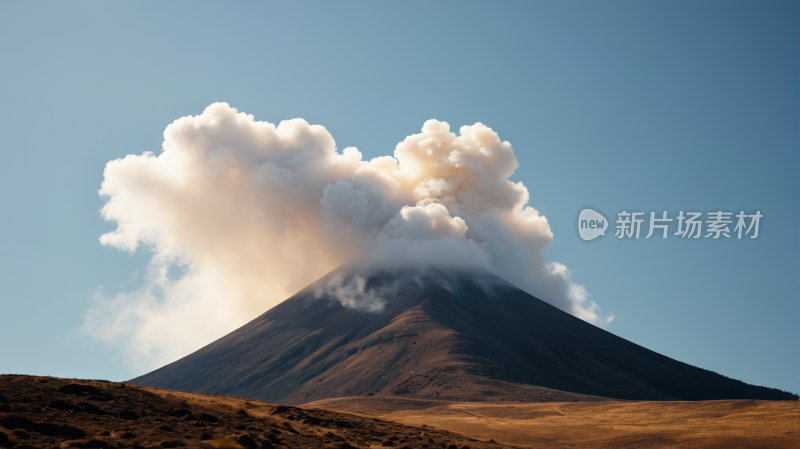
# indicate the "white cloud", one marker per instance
pixel 254 212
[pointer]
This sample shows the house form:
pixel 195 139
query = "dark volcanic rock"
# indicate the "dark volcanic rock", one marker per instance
pixel 59 430
pixel 208 418
pixel 343 424
pixel 91 408
pixel 206 436
pixel 127 436
pixel 333 436
pixel 3 438
pixel 179 412
pixel 312 420
pixel 21 434
pixel 61 405
pixel 166 428
pixel 280 409
pixel 172 443
pixel 246 441
pixel 79 389
pixel 17 422
pixel 129 415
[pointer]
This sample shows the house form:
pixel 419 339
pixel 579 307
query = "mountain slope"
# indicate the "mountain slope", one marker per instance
pixel 448 335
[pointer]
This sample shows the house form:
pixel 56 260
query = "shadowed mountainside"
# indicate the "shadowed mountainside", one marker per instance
pixel 441 335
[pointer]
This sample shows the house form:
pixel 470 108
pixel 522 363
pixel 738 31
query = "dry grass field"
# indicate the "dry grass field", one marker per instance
pixel 617 424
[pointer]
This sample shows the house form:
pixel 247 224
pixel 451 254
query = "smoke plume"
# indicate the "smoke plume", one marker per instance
pixel 252 212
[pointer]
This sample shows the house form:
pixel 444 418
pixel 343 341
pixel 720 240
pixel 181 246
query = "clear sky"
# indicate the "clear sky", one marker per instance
pixel 650 106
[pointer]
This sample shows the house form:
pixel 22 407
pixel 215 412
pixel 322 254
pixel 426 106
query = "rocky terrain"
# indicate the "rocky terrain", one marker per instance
pixel 47 412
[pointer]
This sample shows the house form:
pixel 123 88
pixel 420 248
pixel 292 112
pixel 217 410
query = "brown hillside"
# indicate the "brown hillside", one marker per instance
pixel 47 412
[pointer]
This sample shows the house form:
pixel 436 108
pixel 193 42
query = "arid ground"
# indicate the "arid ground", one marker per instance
pixel 47 412
pixel 617 424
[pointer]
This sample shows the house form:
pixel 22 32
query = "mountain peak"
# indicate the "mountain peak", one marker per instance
pixel 462 334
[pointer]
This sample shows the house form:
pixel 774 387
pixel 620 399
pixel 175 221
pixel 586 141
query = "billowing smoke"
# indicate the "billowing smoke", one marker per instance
pixel 252 212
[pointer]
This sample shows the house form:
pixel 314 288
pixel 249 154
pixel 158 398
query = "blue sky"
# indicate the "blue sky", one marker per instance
pixel 619 105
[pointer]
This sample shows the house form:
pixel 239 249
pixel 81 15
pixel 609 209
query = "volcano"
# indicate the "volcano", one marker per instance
pixel 446 334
